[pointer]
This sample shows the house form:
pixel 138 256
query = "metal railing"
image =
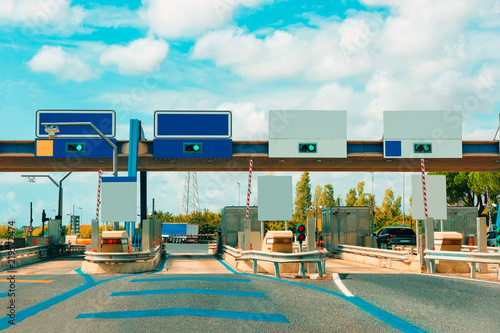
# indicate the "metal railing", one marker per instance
pixel 467 248
pixel 471 257
pixel 121 256
pixel 317 257
pixel 232 251
pixel 373 252
pixel 7 254
pixel 78 248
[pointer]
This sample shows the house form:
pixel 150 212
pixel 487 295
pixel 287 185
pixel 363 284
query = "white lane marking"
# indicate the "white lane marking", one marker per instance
pixel 338 282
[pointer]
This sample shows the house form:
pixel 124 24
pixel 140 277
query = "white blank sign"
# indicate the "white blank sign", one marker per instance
pixel 275 198
pixel 436 197
pixel 119 199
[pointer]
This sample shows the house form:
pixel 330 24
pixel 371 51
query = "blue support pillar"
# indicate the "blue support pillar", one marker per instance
pixel 133 149
pixel 127 228
pixel 135 129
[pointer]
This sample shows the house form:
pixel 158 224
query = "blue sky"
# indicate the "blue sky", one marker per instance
pixel 248 56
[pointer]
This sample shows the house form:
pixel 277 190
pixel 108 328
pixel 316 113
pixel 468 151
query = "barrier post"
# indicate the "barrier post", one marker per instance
pixel 429 241
pixel 94 236
pixel 146 235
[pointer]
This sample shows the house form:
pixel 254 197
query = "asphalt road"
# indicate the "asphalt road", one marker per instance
pixel 194 292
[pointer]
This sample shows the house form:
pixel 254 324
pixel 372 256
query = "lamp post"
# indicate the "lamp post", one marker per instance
pixel 71 219
pixel 239 192
pixel 59 186
pixel 81 214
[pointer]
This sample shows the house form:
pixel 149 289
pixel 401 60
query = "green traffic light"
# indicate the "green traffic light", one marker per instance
pixel 196 147
pixel 426 147
pixel 79 147
pixel 311 147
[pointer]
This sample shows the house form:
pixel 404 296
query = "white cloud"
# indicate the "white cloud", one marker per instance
pixel 138 57
pixel 42 16
pixel 115 17
pixel 248 122
pixel 190 18
pixel 313 54
pixel 54 60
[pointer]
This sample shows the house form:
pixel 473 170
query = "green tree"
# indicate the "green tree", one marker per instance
pixel 4 230
pixel 458 191
pixel 327 197
pixel 351 198
pixel 469 188
pixel 478 182
pixel 389 212
pixel 363 198
pixel 316 204
pixel 302 200
pixel 357 197
pixel 165 217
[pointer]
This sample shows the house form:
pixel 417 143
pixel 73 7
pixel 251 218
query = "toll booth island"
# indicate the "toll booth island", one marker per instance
pixel 278 241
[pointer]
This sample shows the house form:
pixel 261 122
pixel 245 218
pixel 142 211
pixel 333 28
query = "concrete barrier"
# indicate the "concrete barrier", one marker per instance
pixel 123 267
pixel 22 260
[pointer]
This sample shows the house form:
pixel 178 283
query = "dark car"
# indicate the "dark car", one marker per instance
pixel 389 236
pixel 491 238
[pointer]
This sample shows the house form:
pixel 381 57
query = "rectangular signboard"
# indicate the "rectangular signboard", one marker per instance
pixel 104 120
pixel 435 186
pixel 275 198
pixel 192 124
pixel 119 199
pixel 325 130
pixel 192 148
pixel 440 131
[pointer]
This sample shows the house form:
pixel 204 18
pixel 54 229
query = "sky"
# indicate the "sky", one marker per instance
pixel 247 56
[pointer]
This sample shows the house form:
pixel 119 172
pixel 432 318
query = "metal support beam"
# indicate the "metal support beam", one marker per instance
pixel 101 134
pixel 144 194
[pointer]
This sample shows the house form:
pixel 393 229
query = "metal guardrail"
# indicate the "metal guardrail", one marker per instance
pixel 76 248
pixel 121 256
pixel 8 254
pixel 471 257
pixel 317 257
pixel 232 251
pixel 381 253
pixel 466 248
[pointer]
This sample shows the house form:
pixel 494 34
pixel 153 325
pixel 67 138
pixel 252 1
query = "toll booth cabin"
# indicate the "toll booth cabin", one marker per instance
pixel 233 224
pixel 461 220
pixel 354 223
pixel 114 241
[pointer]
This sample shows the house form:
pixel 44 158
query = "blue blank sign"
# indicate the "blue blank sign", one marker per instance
pixel 392 149
pixel 104 120
pixel 174 148
pixel 193 124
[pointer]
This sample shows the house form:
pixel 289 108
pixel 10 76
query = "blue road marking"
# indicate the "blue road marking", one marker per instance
pixel 384 316
pixel 188 291
pixel 185 312
pixel 33 310
pixel 191 279
pixel 4 294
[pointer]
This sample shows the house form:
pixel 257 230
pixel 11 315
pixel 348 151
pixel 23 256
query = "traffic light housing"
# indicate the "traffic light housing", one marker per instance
pixel 300 229
pixel 44 216
pixel 422 148
pixel 72 147
pixel 192 148
pixel 308 148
